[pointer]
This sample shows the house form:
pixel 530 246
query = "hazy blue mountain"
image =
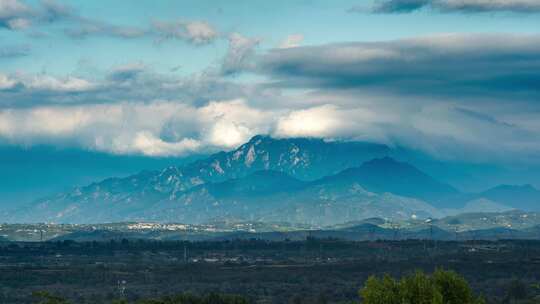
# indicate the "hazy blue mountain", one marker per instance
pixel 514 219
pixel 524 197
pixel 376 188
pixel 497 199
pixel 386 175
pixel 260 183
pixel 298 180
pixel 302 158
pixel 29 173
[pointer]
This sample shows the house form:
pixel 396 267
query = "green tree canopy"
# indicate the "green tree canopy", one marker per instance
pixel 442 287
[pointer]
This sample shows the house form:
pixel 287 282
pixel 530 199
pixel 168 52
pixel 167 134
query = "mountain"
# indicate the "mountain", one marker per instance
pixel 498 199
pixel 260 183
pixel 386 175
pixel 514 219
pixel 482 205
pixel 114 198
pixel 376 189
pixel 524 197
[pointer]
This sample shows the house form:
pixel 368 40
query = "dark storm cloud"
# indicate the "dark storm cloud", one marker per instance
pixel 464 6
pixel 460 66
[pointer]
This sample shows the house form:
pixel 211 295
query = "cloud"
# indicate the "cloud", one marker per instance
pixel 239 54
pixel 151 145
pixel 84 27
pixel 196 32
pixel 14 51
pixel 436 94
pixel 50 83
pixel 233 122
pixel 6 82
pixel 461 66
pixel 292 41
pixel 126 72
pixel 16 15
pixel 446 6
pixel 136 82
pixel 174 127
pixel 133 128
pixel 322 121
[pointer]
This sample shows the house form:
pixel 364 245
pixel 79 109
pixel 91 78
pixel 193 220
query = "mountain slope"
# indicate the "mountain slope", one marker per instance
pixel 377 188
pixel 524 197
pixel 111 199
pixel 385 175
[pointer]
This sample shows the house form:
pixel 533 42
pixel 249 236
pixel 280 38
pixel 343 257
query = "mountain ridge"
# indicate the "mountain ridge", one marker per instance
pixel 302 180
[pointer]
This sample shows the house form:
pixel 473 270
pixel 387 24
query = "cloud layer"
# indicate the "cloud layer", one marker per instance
pixel 450 66
pixel 464 6
pixel 453 95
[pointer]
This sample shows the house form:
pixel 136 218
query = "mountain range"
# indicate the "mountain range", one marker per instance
pixel 295 180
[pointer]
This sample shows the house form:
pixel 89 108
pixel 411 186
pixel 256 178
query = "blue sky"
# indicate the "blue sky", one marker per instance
pixel 151 82
pixel 317 21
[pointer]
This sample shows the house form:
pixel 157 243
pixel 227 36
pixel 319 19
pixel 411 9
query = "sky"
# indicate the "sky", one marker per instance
pixel 147 83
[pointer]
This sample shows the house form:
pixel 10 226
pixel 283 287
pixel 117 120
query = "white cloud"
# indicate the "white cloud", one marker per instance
pixel 14 14
pixel 148 144
pixel 200 32
pixel 127 128
pixel 332 121
pixel 314 122
pixel 197 32
pixel 67 84
pixel 164 128
pixel 240 53
pixel 292 41
pixel 233 122
pixel 6 82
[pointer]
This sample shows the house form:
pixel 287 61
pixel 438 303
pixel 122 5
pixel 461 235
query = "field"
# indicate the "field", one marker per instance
pixel 310 271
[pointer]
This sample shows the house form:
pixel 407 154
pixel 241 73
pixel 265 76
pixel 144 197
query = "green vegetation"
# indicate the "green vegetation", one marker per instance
pixel 45 297
pixel 442 287
pixel 313 271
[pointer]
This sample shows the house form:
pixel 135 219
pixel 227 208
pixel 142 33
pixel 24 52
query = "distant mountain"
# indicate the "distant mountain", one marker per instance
pixel 482 205
pixel 524 197
pixel 260 183
pixel 514 219
pixel 114 198
pixel 297 180
pixel 386 175
pixel 378 188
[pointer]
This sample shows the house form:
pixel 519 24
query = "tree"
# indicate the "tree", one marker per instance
pixel 442 287
pixel 45 297
pixel 453 287
pixel 381 291
pixel 517 290
pixel 420 289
